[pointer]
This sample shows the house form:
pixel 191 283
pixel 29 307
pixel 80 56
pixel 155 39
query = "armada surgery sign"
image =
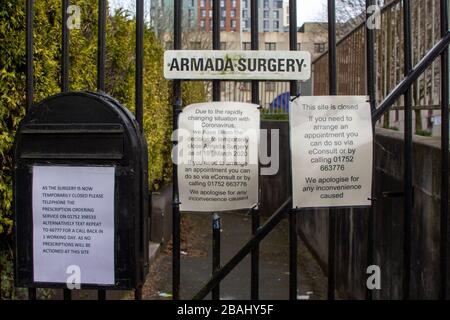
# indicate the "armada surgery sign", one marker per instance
pixel 237 65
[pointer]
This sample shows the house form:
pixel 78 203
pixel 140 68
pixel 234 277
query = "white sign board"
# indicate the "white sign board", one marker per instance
pixel 237 65
pixel 331 146
pixel 73 224
pixel 218 156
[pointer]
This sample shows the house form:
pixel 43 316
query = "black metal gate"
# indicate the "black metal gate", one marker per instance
pixel 412 73
pixel 260 232
pixel 101 80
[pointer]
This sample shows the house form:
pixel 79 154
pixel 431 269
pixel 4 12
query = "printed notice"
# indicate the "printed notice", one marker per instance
pixel 73 223
pixel 331 143
pixel 218 156
pixel 237 65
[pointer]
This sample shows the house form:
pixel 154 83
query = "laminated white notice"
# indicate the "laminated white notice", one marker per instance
pixel 331 148
pixel 217 156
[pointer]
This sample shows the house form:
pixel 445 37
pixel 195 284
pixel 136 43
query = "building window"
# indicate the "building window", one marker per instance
pixel 202 4
pixel 203 13
pixel 222 3
pixel 276 25
pixel 233 3
pixel 202 24
pixel 266 25
pixel 233 24
pixel 244 13
pixel 233 13
pixel 224 13
pixel 210 13
pixel 245 4
pixel 276 14
pixel 222 23
pixel 266 4
pixel 271 46
pixel 266 14
pixel 246 24
pixel 319 47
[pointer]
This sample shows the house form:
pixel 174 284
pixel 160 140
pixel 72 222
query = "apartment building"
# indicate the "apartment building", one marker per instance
pixel 271 15
pixel 230 15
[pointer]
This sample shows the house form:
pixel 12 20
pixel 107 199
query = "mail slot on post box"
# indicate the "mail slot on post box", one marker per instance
pixel 80 195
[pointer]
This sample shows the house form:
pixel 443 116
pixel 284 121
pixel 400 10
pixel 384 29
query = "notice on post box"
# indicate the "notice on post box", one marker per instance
pixel 217 156
pixel 73 224
pixel 331 147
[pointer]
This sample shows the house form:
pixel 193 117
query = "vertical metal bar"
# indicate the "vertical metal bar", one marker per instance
pixel 139 105
pixel 293 245
pixel 254 29
pixel 216 43
pixel 408 171
pixel 65 48
pixel 32 294
pixel 101 46
pixel 216 97
pixel 139 63
pixel 30 54
pixel 29 80
pixel 101 62
pixel 176 221
pixel 138 293
pixel 332 71
pixel 101 295
pixel 371 91
pixel 445 157
pixel 67 294
pixel 216 253
pixel 254 292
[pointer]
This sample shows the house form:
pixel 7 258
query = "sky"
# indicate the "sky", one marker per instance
pixel 310 10
pixel 307 10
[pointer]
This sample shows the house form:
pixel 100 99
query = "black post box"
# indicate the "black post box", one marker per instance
pixel 80 195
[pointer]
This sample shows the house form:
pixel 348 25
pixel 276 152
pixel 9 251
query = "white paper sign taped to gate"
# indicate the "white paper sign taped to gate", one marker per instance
pixel 73 224
pixel 331 146
pixel 217 156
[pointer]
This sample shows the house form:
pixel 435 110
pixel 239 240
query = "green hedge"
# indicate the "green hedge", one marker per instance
pixel 83 60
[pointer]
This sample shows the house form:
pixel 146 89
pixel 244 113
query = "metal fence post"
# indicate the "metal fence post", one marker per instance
pixel 101 63
pixel 371 91
pixel 293 241
pixel 216 225
pixel 67 294
pixel 445 156
pixel 255 99
pixel 176 246
pixel 333 91
pixel 65 48
pixel 408 171
pixel 32 294
pixel 101 47
pixel 30 53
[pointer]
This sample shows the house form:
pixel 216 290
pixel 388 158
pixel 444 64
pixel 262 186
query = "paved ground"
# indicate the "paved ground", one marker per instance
pixel 196 262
